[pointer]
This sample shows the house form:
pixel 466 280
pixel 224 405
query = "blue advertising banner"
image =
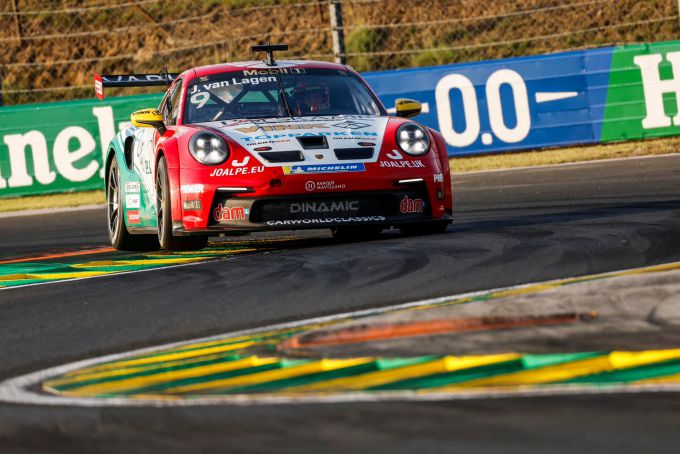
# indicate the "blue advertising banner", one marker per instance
pixel 510 104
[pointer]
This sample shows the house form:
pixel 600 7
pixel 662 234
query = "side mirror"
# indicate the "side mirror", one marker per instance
pixel 407 108
pixel 148 118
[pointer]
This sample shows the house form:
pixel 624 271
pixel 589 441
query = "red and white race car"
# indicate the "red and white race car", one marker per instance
pixel 270 145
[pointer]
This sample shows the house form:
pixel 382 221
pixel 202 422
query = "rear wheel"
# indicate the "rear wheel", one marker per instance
pixel 355 234
pixel 120 238
pixel 163 209
pixel 424 228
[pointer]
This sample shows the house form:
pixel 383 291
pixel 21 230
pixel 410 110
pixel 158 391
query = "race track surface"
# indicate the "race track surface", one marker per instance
pixel 511 227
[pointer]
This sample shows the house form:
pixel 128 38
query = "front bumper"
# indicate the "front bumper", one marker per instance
pixel 241 212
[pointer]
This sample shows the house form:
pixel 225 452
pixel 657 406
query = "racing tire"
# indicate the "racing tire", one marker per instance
pixel 163 210
pixel 356 234
pixel 120 238
pixel 424 228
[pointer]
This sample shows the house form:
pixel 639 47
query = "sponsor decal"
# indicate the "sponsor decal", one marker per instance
pixel 233 81
pixel 361 135
pixel 438 177
pixel 133 217
pixel 324 207
pixel 132 201
pixel 282 127
pixel 351 125
pixel 221 172
pixel 139 78
pixel 98 86
pixel 153 112
pixel 132 186
pixel 236 213
pixel 402 164
pixel 323 185
pixel 192 205
pixel 324 168
pixel 395 155
pixel 192 188
pixel 259 72
pixel 342 220
pixel 243 163
pixel 411 205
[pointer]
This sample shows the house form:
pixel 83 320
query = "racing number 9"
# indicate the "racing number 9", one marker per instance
pixel 471 109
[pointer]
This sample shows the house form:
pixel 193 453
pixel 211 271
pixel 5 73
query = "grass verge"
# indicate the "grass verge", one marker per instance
pixel 458 165
pixel 71 199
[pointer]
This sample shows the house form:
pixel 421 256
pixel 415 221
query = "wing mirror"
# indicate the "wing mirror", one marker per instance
pixel 407 108
pixel 148 118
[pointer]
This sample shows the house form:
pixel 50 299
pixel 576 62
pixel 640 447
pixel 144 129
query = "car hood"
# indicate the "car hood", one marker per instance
pixel 264 137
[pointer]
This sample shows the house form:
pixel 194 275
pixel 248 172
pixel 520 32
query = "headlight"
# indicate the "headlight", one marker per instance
pixel 413 139
pixel 208 148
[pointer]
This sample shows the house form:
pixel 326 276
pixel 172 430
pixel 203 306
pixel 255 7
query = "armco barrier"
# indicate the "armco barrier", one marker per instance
pixel 590 96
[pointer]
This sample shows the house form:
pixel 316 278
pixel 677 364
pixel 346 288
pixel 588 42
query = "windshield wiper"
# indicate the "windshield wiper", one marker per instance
pixel 282 93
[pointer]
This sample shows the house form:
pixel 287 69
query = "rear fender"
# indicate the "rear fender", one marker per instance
pixel 138 207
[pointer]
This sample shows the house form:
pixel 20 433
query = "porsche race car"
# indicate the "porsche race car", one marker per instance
pixel 270 145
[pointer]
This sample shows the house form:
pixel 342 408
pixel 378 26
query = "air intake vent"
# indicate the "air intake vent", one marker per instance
pixel 313 142
pixel 353 153
pixel 282 156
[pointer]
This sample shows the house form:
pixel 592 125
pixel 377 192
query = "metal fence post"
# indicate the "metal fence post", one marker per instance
pixel 335 8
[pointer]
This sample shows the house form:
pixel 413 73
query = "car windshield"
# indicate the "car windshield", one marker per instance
pixel 257 94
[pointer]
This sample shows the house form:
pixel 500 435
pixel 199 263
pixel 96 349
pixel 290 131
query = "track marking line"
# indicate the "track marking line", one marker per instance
pixel 20 390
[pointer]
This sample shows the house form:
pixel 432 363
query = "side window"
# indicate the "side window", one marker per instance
pixel 175 102
pixel 170 105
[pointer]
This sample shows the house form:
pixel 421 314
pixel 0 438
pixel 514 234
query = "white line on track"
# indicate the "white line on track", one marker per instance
pixel 19 390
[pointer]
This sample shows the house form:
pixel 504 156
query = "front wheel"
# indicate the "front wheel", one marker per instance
pixel 120 238
pixel 163 210
pixel 424 228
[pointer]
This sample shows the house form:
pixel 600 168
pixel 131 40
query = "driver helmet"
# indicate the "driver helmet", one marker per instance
pixel 311 98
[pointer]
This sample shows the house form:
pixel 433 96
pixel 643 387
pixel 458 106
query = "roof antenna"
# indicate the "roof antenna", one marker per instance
pixel 269 48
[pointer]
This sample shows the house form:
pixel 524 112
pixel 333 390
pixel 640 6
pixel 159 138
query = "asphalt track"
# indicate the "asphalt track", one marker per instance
pixel 511 227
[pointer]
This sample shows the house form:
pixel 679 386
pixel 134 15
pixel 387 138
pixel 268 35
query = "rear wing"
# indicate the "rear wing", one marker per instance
pixel 131 80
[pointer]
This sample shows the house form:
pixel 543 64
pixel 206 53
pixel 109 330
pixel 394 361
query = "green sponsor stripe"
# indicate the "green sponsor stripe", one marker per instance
pixel 632 374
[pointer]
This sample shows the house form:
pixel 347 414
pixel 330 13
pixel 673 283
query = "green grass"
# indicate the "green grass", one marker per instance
pixel 71 199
